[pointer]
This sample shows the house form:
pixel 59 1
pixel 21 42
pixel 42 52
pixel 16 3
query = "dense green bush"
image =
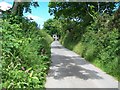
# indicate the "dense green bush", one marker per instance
pixel 98 44
pixel 25 54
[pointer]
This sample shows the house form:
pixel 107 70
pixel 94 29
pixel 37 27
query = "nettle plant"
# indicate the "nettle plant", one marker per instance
pixel 25 54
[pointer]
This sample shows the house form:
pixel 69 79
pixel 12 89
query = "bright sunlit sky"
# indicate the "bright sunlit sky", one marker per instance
pixel 39 14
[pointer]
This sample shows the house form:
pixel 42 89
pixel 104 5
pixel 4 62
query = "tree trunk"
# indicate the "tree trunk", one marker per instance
pixel 16 5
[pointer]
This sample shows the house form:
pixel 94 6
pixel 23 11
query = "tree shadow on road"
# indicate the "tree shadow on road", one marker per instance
pixel 65 66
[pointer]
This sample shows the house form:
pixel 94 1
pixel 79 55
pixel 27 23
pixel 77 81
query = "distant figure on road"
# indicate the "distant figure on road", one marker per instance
pixel 55 37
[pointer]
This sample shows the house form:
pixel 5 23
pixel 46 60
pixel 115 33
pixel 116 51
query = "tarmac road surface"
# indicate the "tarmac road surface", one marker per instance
pixel 69 70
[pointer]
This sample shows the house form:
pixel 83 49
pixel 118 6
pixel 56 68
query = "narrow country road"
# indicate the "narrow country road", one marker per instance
pixel 69 70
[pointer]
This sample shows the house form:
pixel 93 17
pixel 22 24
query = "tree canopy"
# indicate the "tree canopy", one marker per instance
pixel 19 6
pixel 52 26
pixel 78 11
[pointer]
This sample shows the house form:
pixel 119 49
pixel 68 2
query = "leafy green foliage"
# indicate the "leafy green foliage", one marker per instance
pixel 53 26
pixel 80 10
pixel 25 54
